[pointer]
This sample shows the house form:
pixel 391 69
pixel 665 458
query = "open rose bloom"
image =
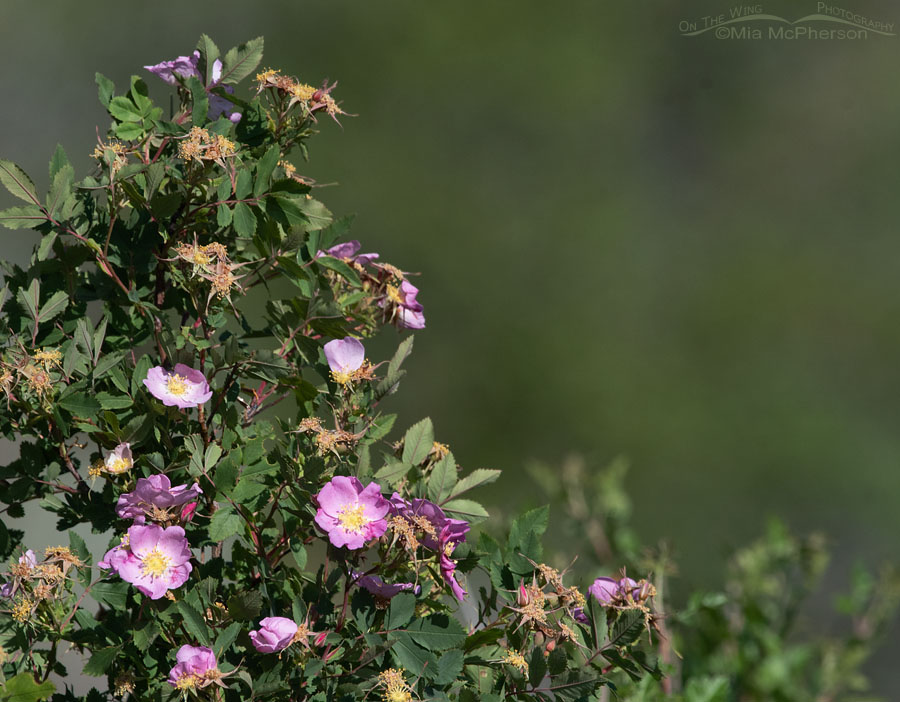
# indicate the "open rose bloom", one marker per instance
pixel 154 497
pixel 274 634
pixel 119 460
pixel 151 558
pixel 344 356
pixel 182 387
pixel 348 252
pixel 350 514
pixel 195 667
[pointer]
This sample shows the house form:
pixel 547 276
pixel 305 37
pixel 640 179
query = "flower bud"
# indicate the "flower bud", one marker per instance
pixel 187 514
pixel 320 638
pixel 522 597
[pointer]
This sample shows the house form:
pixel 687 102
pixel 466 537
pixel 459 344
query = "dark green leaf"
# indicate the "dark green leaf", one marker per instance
pixel 264 170
pixel 418 441
pixel 199 102
pixel 537 666
pixel 193 622
pixel 105 88
pixel 442 479
pixel 101 660
pixel 244 220
pixel 80 405
pixel 241 61
pixel 343 269
pixel 14 179
pixel 401 611
pixel 22 217
pixel 56 304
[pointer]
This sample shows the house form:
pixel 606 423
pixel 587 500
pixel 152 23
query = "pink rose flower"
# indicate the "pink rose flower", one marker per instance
pixel 350 514
pixel 184 387
pixel 120 460
pixel 151 558
pixel 605 590
pixel 347 252
pixel 195 666
pixel 185 67
pixel 274 634
pixel 153 496
pixel 344 356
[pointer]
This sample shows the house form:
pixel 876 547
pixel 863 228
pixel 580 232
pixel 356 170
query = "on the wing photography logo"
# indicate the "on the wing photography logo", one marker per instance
pixel 752 22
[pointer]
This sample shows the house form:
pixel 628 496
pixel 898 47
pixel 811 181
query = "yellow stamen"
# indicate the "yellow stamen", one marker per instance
pixel 177 385
pixel 352 518
pixel 156 563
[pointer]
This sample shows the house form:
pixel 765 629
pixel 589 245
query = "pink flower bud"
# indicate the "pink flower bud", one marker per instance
pixel 187 514
pixel 523 599
pixel 320 638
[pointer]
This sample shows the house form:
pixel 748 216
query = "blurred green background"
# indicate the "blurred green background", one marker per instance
pixel 682 250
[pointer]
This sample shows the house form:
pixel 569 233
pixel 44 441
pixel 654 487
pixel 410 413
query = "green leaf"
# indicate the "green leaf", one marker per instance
pixel 193 622
pixel 224 523
pixel 341 268
pixel 80 405
pixel 124 110
pixel 24 688
pixel 264 170
pixel 199 102
pixel 113 402
pixel 449 667
pixel 14 179
pixel 105 88
pixel 442 479
pixel 56 304
pixel 31 298
pixel 114 594
pixel 407 654
pixel 628 628
pixel 22 217
pixel 241 61
pixel 418 441
pixel 244 220
pixel 537 666
pixel 58 161
pixel 244 606
pixel 60 189
pixel 316 214
pixel 101 660
pixel 226 637
pixel 129 130
pixel 46 245
pixel 436 632
pixel 140 373
pixel 557 661
pixel 223 215
pixel 393 472
pixel 478 477
pixel 466 509
pixel 209 52
pixel 401 611
pixel 244 184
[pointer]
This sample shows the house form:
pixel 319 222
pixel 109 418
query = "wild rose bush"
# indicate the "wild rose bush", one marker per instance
pixel 271 535
pixel 308 553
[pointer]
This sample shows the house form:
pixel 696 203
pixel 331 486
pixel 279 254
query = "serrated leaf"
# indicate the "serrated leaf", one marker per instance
pixel 225 523
pixel 223 215
pixel 124 110
pixel 418 442
pixel 401 610
pixel 226 637
pixel 46 245
pixel 478 477
pixel 264 169
pixel 193 622
pixel 437 632
pixel 24 688
pixel 244 606
pixel 209 52
pixel 105 88
pixel 316 214
pixel 393 472
pixel 129 131
pixel 100 661
pixel 467 509
pixel 341 268
pixel 199 101
pixel 241 61
pixel 112 402
pixel 449 667
pixel 244 184
pixel 57 303
pixel 80 405
pixel 407 654
pixel 60 189
pixel 17 182
pixel 22 217
pixel 58 161
pixel 537 666
pixel 442 479
pixel 627 629
pixel 243 219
